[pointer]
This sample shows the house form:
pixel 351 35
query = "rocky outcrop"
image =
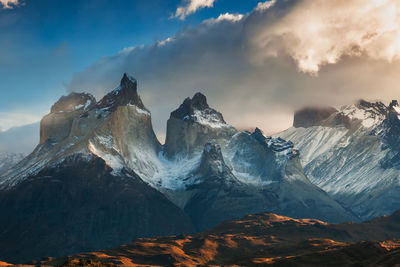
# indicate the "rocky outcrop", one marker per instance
pixel 308 117
pixel 57 125
pixel 192 125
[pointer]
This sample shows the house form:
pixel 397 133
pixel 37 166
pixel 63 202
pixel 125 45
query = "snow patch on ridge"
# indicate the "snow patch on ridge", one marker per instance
pixel 208 119
pixel 315 141
pixel 175 174
pixel 369 117
pixel 112 161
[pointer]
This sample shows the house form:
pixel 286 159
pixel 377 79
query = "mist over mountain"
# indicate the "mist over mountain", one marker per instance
pixel 21 139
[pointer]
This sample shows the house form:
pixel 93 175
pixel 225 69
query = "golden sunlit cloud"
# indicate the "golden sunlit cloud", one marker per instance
pixel 319 32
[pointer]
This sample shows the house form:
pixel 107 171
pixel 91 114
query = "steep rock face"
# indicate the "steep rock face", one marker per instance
pixel 308 117
pixel 81 205
pixel 117 129
pixel 56 126
pixel 192 125
pixel 355 164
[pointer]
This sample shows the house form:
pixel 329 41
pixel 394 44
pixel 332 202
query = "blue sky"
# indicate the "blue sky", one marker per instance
pixel 43 42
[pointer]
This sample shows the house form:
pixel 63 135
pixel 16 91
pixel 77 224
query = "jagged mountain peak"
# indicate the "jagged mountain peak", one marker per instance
pixel 212 161
pixel 370 114
pixel 199 101
pixel 192 108
pixel 74 101
pixel 377 106
pixel 275 144
pixel 123 95
pixel 394 110
pixel 394 103
pixel 127 81
pixel 258 135
pixel 196 109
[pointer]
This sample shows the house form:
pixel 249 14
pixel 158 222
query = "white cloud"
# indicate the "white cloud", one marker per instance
pixel 319 32
pixel 225 17
pixel 191 6
pixel 9 3
pixel 15 119
pixel 262 6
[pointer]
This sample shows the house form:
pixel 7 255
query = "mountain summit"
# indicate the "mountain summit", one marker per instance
pixel 192 125
pixel 123 95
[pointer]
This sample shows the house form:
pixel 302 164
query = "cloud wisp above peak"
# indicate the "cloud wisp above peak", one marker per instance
pixel 192 6
pixel 9 4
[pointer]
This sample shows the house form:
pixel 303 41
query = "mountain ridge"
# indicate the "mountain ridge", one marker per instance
pixel 353 155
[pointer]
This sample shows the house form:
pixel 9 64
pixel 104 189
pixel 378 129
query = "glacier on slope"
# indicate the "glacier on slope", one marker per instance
pixel 352 156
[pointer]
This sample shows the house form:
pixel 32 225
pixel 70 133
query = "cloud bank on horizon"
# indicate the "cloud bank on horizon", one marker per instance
pixel 283 55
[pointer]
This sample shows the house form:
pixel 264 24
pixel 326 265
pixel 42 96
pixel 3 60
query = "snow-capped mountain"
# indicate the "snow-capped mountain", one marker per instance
pixel 192 125
pixel 225 166
pixel 99 177
pixel 353 154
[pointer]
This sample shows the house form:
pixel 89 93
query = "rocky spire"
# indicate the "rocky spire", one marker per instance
pixel 123 95
pixel 259 135
pixel 212 160
pixel 198 103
